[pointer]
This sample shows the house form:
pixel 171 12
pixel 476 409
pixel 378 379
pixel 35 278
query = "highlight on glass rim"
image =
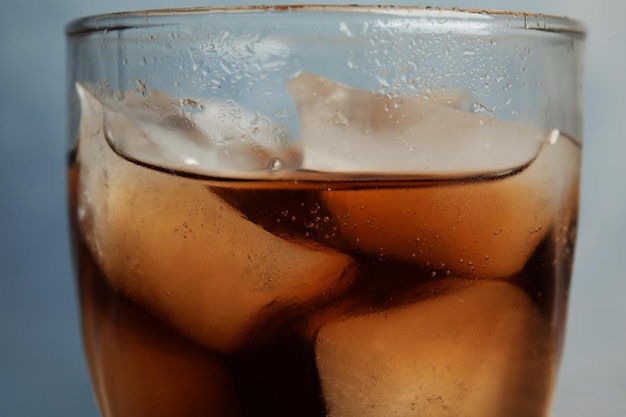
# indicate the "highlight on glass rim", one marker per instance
pixel 341 211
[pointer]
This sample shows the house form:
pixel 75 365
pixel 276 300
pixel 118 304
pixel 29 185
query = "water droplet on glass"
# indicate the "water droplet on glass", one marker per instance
pixel 275 165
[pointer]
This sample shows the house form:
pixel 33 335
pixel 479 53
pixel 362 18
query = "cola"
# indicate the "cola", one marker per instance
pixel 370 269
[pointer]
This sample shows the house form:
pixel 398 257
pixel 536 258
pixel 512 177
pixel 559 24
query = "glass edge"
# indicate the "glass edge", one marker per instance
pixel 503 18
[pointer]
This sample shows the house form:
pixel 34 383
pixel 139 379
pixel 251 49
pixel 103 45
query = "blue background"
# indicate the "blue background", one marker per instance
pixel 42 368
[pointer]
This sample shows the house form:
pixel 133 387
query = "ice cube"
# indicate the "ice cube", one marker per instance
pixel 140 367
pixel 170 244
pixel 477 226
pixel 482 229
pixel 478 351
pixel 187 135
pixel 349 130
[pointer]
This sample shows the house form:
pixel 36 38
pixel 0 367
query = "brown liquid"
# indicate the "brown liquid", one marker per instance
pixel 398 250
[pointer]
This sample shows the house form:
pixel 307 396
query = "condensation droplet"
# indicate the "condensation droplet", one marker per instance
pixel 275 165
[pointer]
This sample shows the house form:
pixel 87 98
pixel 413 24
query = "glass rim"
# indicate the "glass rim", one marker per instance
pixel 504 19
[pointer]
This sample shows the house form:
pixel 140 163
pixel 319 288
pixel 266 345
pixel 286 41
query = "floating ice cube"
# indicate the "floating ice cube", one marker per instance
pixel 187 135
pixel 487 225
pixel 173 246
pixel 478 351
pixel 350 130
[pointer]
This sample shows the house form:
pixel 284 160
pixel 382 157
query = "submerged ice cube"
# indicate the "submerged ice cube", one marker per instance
pixel 173 246
pixel 497 193
pixel 444 357
pixel 141 367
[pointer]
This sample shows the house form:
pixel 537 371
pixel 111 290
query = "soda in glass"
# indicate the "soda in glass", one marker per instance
pixel 309 211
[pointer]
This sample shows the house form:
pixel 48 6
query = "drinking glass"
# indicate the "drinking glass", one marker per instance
pixel 345 211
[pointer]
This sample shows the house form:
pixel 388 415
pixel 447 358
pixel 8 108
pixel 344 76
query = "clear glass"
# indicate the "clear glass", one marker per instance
pixel 343 211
